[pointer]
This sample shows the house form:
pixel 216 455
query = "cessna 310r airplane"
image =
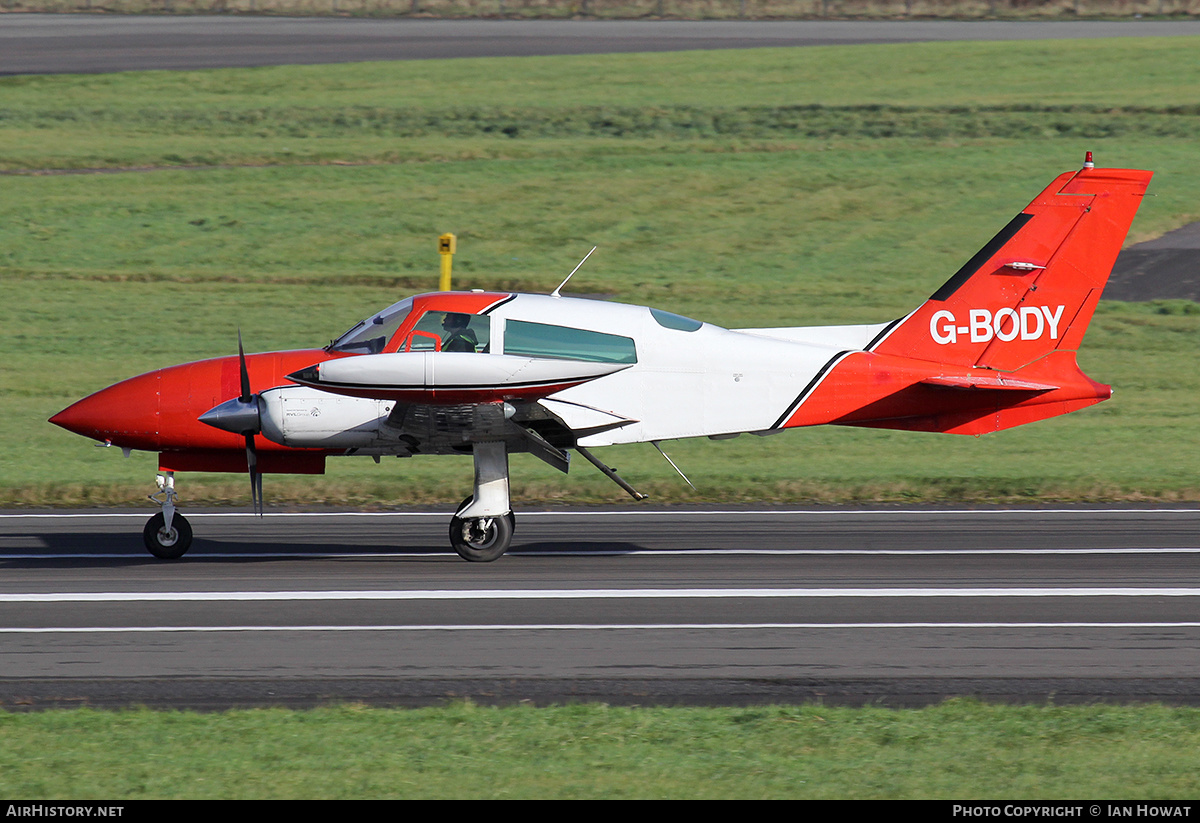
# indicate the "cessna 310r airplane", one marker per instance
pixel 491 373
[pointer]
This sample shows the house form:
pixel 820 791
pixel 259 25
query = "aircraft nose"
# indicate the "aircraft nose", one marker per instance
pixel 126 414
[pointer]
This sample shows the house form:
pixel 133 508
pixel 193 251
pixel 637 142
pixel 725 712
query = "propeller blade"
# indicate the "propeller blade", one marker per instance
pixel 245 374
pixel 251 452
pixel 255 475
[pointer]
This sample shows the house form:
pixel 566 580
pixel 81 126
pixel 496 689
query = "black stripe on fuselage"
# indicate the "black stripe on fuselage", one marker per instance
pixel 884 333
pixel 812 384
pixel 529 384
pixel 982 256
pixel 498 304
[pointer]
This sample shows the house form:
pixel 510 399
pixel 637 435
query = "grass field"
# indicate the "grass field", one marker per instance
pixel 768 187
pixel 960 750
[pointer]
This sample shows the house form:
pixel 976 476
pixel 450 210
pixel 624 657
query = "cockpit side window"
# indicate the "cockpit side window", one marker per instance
pixel 372 334
pixel 450 331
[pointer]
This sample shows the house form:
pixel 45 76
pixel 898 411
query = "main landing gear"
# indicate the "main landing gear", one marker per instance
pixel 481 539
pixel 482 528
pixel 167 535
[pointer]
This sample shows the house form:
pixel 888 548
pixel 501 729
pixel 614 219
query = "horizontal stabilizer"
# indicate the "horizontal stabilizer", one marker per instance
pixel 990 382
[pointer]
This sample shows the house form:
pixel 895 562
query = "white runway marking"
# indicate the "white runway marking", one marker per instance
pixel 514 627
pixel 315 555
pixel 822 552
pixel 592 594
pixel 142 515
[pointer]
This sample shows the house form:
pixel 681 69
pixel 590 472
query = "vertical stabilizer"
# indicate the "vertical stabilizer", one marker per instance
pixel 1032 289
pixel 994 347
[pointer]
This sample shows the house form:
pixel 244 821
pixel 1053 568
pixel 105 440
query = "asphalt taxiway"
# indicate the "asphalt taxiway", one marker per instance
pixel 56 43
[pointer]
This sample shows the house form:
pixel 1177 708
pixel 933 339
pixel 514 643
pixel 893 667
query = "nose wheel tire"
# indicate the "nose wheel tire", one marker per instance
pixel 164 544
pixel 481 539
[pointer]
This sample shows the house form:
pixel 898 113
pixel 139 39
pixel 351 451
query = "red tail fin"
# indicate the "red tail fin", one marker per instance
pixel 995 346
pixel 1032 289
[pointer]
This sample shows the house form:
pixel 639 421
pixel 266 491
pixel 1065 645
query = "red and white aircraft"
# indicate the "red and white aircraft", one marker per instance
pixel 490 373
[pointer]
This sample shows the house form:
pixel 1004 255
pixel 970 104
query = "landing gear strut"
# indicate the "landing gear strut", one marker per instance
pixel 482 528
pixel 167 535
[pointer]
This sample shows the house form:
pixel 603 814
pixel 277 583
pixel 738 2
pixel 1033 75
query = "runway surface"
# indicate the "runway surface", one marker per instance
pixel 49 43
pixel 643 606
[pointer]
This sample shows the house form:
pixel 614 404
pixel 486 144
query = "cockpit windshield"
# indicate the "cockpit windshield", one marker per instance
pixel 372 334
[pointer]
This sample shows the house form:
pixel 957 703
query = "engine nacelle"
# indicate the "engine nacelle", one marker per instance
pixel 307 418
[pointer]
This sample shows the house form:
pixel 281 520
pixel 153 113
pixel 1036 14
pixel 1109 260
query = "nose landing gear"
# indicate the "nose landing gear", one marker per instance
pixel 167 535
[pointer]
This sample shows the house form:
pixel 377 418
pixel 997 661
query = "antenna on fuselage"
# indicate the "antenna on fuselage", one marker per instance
pixel 555 293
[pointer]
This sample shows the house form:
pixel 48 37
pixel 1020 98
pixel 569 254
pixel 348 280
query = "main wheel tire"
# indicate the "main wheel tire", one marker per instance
pixel 480 539
pixel 167 545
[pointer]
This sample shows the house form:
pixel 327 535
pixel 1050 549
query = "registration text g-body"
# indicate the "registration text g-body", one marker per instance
pixel 1006 324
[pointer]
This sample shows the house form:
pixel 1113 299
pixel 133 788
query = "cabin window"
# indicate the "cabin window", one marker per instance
pixel 563 343
pixel 450 331
pixel 675 321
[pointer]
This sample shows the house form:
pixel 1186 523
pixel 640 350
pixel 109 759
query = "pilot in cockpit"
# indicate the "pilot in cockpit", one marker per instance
pixel 459 336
